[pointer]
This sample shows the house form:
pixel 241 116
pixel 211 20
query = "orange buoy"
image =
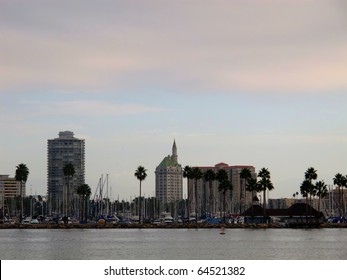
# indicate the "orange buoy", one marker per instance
pixel 222 230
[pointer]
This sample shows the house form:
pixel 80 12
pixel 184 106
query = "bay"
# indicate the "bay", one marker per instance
pixel 173 244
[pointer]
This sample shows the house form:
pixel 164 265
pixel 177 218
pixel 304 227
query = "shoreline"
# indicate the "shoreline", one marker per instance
pixel 172 226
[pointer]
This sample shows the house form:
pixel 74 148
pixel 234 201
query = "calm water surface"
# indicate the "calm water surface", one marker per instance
pixel 172 244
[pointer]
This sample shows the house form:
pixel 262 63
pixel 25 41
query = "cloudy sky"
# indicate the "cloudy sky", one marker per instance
pixel 261 83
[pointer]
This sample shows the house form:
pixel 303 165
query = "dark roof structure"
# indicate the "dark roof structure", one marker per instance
pixel 297 209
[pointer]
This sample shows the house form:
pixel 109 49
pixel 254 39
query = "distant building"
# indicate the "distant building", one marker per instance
pixel 9 188
pixel 210 202
pixel 335 203
pixel 168 178
pixel 61 151
pixel 284 203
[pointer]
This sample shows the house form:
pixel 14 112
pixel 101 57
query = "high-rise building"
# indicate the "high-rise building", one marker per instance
pixel 61 151
pixel 169 178
pixel 209 199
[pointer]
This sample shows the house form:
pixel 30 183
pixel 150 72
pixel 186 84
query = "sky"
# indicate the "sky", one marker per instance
pixel 260 83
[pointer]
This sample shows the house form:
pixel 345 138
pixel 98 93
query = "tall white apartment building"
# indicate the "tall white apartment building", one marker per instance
pixel 61 151
pixel 169 178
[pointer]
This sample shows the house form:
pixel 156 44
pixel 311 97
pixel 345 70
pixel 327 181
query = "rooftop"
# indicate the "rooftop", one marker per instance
pixel 168 161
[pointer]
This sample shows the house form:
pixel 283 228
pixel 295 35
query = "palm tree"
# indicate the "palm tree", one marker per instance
pixel 310 175
pixel 187 173
pixel 340 181
pixel 209 177
pixel 295 194
pixel 321 191
pixel 140 174
pixel 84 192
pixel 305 188
pixel 221 176
pixel 69 171
pixel 245 174
pixel 22 173
pixel 197 175
pixel 264 185
pixel 223 187
pixel 253 187
pixel 344 185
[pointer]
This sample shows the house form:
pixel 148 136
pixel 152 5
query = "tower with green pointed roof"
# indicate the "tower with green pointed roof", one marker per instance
pixel 169 178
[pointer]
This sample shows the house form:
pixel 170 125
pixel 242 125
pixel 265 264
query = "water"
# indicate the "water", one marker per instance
pixel 173 244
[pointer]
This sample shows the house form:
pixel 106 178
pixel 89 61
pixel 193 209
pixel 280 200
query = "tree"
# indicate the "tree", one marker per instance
pixel 84 192
pixel 224 186
pixel 22 173
pixel 264 185
pixel 305 188
pixel 140 174
pixel 221 176
pixel 295 194
pixel 321 191
pixel 209 177
pixel 245 174
pixel 310 175
pixel 253 187
pixel 340 181
pixel 69 171
pixel 344 185
pixel 197 175
pixel 187 173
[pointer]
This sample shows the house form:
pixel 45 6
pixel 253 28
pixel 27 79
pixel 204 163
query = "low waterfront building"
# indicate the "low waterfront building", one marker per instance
pixel 296 213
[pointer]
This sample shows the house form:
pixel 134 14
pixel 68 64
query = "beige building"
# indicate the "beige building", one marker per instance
pixel 209 199
pixel 9 188
pixel 169 178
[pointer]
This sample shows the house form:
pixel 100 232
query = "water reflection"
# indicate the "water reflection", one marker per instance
pixel 171 244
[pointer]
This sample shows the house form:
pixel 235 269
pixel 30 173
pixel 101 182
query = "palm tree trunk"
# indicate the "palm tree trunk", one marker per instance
pixel 188 201
pixel 211 199
pixel 241 195
pixel 140 205
pixel 310 209
pixel 245 204
pixel 205 200
pixel 342 202
pixel 84 207
pixel 196 201
pixel 306 208
pixel 264 205
pixel 67 197
pixel 21 202
pixel 224 193
pixel 253 194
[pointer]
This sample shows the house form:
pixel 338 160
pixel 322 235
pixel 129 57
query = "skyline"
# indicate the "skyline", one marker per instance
pixel 259 83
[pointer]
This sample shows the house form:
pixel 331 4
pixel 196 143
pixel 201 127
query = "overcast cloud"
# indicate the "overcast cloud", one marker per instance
pixel 245 82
